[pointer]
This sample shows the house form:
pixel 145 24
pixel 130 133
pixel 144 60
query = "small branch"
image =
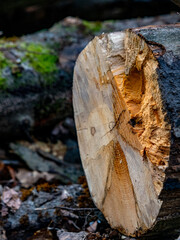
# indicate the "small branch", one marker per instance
pixel 85 222
pixel 50 157
pixel 10 162
pixel 68 208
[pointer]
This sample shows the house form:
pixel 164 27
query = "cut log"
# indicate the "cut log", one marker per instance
pixel 126 97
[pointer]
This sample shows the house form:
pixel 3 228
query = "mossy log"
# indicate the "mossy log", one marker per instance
pixel 34 90
pixel 36 73
pixel 126 97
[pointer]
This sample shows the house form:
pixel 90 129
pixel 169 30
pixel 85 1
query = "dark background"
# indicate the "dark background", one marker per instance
pixel 18 17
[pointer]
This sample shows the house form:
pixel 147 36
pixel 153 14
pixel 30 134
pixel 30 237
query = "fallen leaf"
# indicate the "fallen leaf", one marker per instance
pixel 59 149
pixel 28 178
pixel 63 235
pixel 36 145
pixel 11 198
pixel 92 227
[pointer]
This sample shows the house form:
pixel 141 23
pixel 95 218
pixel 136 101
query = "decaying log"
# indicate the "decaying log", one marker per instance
pixel 127 104
pixel 35 88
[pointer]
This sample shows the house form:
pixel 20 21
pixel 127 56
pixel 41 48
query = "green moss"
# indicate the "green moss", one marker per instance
pixel 3 61
pixel 40 57
pixel 2 82
pixel 3 64
pixel 6 62
pixel 92 26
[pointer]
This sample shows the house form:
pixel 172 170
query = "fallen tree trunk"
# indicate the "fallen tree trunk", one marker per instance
pixel 126 104
pixel 35 88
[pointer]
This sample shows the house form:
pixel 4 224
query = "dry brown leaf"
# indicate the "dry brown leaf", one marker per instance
pixel 58 149
pixel 11 198
pixel 36 145
pixel 29 178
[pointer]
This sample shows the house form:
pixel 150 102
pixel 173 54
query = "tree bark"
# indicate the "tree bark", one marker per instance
pixel 126 104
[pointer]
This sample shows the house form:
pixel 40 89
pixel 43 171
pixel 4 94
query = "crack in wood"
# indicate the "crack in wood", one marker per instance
pixel 117 123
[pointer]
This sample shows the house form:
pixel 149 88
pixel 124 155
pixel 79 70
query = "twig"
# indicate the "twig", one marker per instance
pixel 50 157
pixel 10 162
pixel 85 222
pixel 73 223
pixel 68 208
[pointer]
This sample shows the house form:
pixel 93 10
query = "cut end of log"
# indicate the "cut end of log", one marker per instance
pixel 123 131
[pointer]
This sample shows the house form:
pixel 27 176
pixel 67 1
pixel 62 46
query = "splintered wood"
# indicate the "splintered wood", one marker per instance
pixel 126 127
